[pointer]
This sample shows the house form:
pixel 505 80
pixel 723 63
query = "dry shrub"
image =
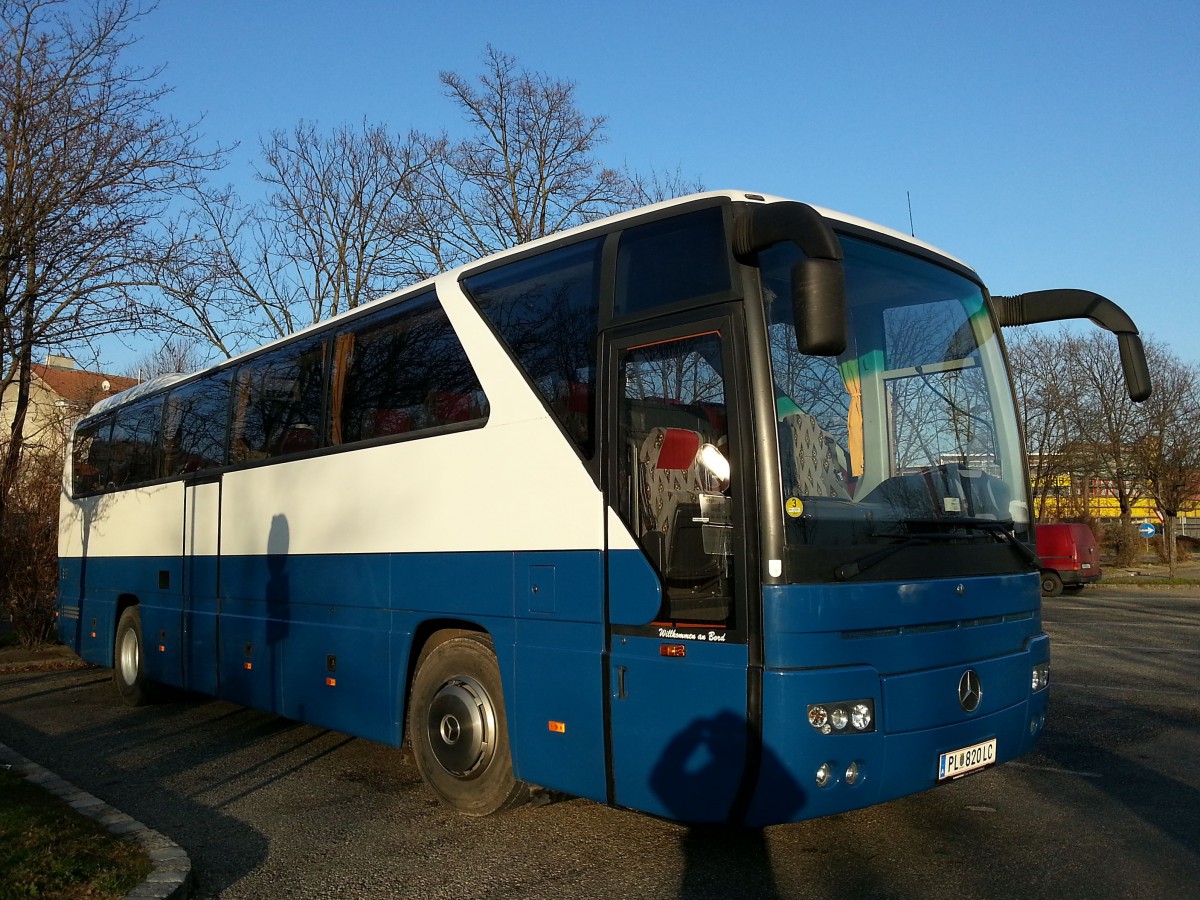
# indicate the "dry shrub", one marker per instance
pixel 29 551
pixel 1122 541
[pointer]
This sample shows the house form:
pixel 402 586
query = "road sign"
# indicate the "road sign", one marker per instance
pixel 1147 529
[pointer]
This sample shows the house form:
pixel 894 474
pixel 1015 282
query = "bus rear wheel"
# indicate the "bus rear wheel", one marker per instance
pixel 459 730
pixel 128 673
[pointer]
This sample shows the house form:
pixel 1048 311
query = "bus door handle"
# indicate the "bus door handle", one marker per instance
pixel 621 683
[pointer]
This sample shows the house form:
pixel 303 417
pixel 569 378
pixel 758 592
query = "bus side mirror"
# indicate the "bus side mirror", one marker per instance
pixel 818 284
pixel 819 306
pixel 1133 361
pixel 1070 303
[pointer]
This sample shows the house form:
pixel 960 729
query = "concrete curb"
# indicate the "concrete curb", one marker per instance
pixel 171 875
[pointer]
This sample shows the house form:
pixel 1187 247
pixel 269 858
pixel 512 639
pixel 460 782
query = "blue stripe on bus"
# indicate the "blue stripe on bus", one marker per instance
pixel 326 638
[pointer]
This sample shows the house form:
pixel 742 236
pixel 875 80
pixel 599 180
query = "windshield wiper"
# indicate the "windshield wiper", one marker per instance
pixel 849 570
pixel 1003 529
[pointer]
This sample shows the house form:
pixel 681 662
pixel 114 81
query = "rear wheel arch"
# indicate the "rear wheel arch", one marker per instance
pixel 457 723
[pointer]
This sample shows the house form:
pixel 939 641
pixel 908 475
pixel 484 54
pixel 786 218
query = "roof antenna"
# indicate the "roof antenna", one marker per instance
pixel 911 230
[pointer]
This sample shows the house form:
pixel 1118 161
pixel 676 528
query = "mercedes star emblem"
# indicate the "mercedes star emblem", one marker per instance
pixel 969 691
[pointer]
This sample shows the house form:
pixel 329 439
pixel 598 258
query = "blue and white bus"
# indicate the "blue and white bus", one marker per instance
pixel 716 509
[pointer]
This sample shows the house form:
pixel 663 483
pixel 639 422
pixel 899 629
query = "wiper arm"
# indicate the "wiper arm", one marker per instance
pixel 849 570
pixel 1005 531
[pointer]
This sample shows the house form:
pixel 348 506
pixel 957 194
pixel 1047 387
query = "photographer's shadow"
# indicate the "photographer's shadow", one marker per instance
pixel 703 774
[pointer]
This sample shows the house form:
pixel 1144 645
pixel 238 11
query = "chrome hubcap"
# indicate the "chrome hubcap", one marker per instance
pixel 462 727
pixel 129 657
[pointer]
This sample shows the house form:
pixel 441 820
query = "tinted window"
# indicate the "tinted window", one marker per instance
pixel 672 260
pixel 135 443
pixel 89 458
pixel 278 403
pixel 546 309
pixel 197 422
pixel 400 372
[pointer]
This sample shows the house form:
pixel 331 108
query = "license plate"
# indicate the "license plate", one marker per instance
pixel 969 759
pixel 1085 565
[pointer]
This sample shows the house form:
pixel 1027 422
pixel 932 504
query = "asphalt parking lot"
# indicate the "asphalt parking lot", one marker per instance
pixel 1109 806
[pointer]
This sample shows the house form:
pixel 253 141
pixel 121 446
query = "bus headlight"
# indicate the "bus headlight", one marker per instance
pixel 842 717
pixel 1041 676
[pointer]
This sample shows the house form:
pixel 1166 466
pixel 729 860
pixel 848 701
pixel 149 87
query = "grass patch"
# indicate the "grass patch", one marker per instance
pixel 49 850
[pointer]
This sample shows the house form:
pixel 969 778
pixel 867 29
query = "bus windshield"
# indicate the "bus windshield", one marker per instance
pixel 905 443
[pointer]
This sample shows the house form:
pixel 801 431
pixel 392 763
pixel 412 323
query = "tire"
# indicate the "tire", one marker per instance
pixel 458 727
pixel 128 666
pixel 1052 585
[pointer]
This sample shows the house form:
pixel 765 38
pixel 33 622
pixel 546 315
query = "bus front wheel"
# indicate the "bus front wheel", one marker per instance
pixel 128 673
pixel 458 727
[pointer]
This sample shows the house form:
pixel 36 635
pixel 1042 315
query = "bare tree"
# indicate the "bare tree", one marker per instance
pixel 526 169
pixel 173 356
pixel 1042 388
pixel 1168 454
pixel 362 211
pixel 333 232
pixel 89 165
pixel 1105 426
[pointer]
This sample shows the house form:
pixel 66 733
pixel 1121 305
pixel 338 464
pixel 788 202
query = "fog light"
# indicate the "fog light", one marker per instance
pixel 824 775
pixel 852 773
pixel 838 718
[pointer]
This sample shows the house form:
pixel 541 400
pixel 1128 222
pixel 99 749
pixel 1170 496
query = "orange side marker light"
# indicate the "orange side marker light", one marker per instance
pixel 558 727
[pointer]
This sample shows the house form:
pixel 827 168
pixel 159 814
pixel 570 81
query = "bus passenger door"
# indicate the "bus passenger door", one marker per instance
pixel 676 552
pixel 201 571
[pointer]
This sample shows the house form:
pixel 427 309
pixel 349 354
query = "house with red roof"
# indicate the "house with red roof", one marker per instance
pixel 59 394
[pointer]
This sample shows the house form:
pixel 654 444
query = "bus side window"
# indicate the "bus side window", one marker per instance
pixel 279 402
pixel 402 372
pixel 89 467
pixel 135 443
pixel 546 310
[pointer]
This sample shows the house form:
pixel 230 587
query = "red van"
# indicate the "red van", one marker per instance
pixel 1069 557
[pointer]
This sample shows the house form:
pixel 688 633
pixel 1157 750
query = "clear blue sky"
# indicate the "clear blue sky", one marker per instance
pixel 1050 144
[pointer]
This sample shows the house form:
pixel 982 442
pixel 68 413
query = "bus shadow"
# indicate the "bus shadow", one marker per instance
pixel 1167 804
